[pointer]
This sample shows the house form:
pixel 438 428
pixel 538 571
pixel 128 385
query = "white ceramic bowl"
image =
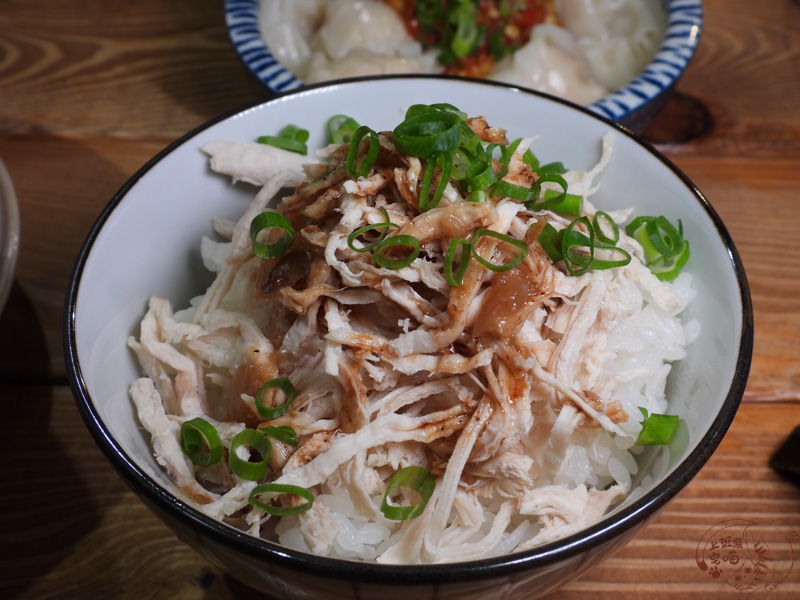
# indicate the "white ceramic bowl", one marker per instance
pixel 146 242
pixel 634 105
pixel 9 234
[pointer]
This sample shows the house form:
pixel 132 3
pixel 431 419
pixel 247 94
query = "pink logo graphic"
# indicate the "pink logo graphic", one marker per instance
pixel 747 555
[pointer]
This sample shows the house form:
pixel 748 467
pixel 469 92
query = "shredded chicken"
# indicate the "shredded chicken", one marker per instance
pixel 488 384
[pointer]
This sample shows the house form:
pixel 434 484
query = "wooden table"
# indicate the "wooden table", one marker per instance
pixel 90 89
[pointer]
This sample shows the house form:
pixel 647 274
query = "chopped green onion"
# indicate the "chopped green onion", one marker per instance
pixel 445 163
pixel 570 204
pixel 284 433
pixel 667 269
pixel 267 220
pixel 252 471
pixel 194 434
pixel 665 249
pixel 291 138
pixel 600 220
pixel 511 190
pixel 280 488
pixel 477 196
pixel 523 250
pixel 657 429
pixel 457 279
pixel 554 200
pixel 466 34
pixel 418 479
pixel 480 175
pixel 354 169
pixel 550 239
pixel 286 387
pixel 352 237
pixel 427 133
pixel 396 240
pixel 341 129
pixel 529 158
pixel 578 262
pixel 553 168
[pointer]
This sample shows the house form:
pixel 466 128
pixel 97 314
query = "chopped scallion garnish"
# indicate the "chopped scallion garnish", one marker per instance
pixel 519 244
pixel 427 133
pixel 418 479
pixel 268 220
pixel 196 434
pixel 274 489
pixel 341 129
pixel 284 433
pixel 396 240
pixel 291 138
pixel 361 231
pixel 362 169
pixel 665 249
pixel 457 278
pixel 282 384
pixel 252 471
pixel 657 429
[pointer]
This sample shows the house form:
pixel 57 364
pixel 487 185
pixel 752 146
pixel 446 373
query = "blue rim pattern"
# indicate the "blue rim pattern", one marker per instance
pixel 684 26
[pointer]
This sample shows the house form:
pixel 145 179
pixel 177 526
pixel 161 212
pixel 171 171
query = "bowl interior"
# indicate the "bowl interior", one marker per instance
pixel 147 242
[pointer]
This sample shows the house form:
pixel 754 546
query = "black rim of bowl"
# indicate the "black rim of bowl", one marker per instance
pixel 605 531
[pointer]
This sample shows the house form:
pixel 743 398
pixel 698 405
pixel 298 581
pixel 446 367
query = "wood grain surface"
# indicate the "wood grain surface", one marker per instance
pixel 90 90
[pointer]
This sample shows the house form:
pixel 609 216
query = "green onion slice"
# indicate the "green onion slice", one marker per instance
pixel 529 158
pixel 553 168
pixel 415 478
pixel 362 169
pixel 550 239
pixel 386 224
pixel 477 196
pixel 553 200
pixel 267 220
pixel 512 190
pixel 396 240
pixel 578 262
pixel 280 488
pixel 252 471
pixel 457 278
pixel 603 222
pixel 667 269
pixel 664 247
pixel 286 387
pixel 572 238
pixel 445 164
pixel 523 250
pixel 284 433
pixel 657 429
pixel 466 34
pixel 480 175
pixel 427 133
pixel 194 434
pixel 569 204
pixel 341 129
pixel 291 138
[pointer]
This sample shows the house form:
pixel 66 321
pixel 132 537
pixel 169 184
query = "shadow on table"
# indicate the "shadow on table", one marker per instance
pixel 44 505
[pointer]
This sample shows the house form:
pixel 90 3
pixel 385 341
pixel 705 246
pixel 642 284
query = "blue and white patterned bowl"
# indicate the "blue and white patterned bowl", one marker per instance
pixel 633 106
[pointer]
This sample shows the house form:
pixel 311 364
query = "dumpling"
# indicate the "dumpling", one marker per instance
pixel 357 63
pixel 551 62
pixel 287 27
pixel 617 37
pixel 365 24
